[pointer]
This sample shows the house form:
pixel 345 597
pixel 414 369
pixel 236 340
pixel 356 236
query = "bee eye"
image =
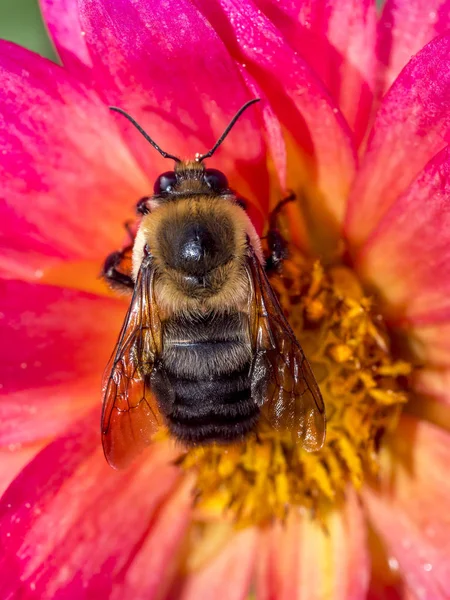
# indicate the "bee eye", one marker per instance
pixel 146 250
pixel 165 183
pixel 216 180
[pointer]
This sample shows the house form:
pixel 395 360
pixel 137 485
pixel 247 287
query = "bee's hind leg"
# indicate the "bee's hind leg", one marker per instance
pixel 276 243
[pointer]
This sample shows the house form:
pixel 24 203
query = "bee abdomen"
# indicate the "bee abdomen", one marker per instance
pixel 205 393
pixel 213 410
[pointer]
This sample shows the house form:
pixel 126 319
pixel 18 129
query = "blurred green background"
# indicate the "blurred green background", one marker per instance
pixel 21 22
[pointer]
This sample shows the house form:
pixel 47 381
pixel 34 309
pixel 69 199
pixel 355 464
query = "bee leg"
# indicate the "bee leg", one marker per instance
pixel 277 244
pixel 116 279
pixel 142 207
pixel 111 267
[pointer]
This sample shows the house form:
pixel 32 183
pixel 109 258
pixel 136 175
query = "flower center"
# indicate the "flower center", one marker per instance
pixel 362 385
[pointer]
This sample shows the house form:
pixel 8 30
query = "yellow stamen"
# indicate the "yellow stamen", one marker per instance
pixel 347 345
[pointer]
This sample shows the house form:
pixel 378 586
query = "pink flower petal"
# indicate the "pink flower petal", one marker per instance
pixel 151 61
pixel 410 507
pixel 12 459
pixel 430 400
pixel 225 576
pixel 153 566
pixel 433 383
pixel 429 348
pixel 411 126
pixel 385 579
pixel 430 344
pixel 71 526
pixel 68 182
pixel 325 169
pixel 274 133
pixel 407 257
pixel 338 40
pixel 63 22
pixel 55 345
pixel 301 561
pixel 405 27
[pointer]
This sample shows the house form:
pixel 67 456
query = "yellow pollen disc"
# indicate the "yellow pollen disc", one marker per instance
pixel 363 387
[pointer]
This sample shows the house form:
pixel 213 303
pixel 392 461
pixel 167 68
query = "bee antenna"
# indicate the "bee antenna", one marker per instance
pixel 227 130
pixel 147 137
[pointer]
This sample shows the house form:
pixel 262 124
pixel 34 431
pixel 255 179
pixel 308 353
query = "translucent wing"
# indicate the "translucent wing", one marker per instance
pixel 282 381
pixel 130 415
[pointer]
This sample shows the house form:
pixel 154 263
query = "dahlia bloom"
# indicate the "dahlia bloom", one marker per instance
pixel 359 130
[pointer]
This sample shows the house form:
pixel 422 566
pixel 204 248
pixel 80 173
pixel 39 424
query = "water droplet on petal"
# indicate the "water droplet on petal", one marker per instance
pixel 393 564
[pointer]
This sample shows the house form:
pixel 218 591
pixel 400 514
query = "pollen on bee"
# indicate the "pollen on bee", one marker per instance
pixel 363 387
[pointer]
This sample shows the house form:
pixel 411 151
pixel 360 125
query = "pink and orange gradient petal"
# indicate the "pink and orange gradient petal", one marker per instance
pixel 70 525
pixel 404 28
pixel 338 40
pixel 427 344
pixel 433 383
pixel 407 257
pixel 409 506
pixel 411 126
pixel 55 345
pixel 302 560
pixel 13 458
pixel 68 181
pixel 226 575
pixel 300 101
pixel 151 572
pixel 164 78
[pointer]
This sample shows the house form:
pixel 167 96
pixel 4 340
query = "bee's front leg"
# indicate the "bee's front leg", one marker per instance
pixel 276 243
pixel 111 272
pixel 114 268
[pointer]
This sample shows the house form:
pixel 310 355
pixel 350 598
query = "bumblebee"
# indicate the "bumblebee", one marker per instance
pixel 205 348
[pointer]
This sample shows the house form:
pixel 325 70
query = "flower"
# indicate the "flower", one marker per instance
pixel 360 134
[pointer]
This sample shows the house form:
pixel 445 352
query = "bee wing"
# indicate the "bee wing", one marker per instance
pixel 130 415
pixel 282 381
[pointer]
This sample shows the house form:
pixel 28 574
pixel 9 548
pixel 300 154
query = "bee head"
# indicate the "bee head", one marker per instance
pixel 190 177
